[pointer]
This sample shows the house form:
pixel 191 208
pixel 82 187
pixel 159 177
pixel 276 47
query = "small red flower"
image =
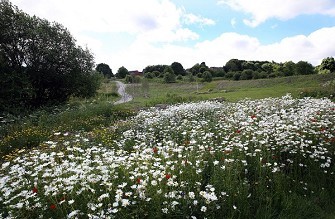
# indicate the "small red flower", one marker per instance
pixel 35 190
pixel 138 180
pixel 253 116
pixel 167 176
pixel 155 150
pixel 53 206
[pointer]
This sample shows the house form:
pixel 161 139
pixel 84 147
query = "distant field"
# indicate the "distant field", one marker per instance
pixel 156 92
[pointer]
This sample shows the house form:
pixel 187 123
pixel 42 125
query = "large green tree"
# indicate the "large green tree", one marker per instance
pixel 233 65
pixel 304 68
pixel 42 60
pixel 154 68
pixel 122 72
pixel 105 70
pixel 178 68
pixel 289 68
pixel 327 65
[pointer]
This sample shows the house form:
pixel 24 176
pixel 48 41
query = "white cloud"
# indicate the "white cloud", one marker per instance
pixel 312 48
pixel 261 10
pixel 106 16
pixel 157 30
pixel 112 16
pixel 194 19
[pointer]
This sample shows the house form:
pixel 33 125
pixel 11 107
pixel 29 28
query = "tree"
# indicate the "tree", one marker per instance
pixel 122 72
pixel 178 69
pixel 105 70
pixel 169 70
pixel 195 69
pixel 149 75
pixel 169 76
pixel 278 69
pixel 248 65
pixel 267 67
pixel 154 68
pixel 207 76
pixel 45 58
pixel 247 74
pixel 233 65
pixel 289 68
pixel 237 76
pixel 327 65
pixel 304 68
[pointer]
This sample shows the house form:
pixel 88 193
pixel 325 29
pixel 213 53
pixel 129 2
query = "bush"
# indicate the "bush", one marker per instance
pixel 207 76
pixel 237 76
pixel 132 79
pixel 169 77
pixel 149 75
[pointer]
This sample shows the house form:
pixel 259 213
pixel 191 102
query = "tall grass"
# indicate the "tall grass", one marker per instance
pixel 30 131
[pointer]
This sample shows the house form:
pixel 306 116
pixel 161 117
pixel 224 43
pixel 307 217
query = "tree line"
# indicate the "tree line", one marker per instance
pixel 234 69
pixel 40 62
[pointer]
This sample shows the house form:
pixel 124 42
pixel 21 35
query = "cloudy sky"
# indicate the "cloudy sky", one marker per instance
pixel 137 33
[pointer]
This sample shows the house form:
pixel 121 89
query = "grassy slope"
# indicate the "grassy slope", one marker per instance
pixel 230 90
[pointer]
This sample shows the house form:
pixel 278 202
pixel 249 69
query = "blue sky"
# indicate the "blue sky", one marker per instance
pixel 135 33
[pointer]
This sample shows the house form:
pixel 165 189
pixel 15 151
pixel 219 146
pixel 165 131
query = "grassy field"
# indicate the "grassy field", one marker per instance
pixel 157 92
pixel 256 158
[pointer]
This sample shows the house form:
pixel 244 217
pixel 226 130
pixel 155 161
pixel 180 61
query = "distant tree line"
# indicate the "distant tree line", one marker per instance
pixel 40 62
pixel 236 69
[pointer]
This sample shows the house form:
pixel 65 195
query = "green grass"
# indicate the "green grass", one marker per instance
pixel 29 130
pixel 303 85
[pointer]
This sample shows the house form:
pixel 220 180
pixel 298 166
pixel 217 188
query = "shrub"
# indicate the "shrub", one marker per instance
pixel 207 76
pixel 169 77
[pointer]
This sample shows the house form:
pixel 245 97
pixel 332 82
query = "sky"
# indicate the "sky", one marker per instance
pixel 138 33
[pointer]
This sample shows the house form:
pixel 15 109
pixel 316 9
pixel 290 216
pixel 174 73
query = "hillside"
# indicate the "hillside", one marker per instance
pixel 304 85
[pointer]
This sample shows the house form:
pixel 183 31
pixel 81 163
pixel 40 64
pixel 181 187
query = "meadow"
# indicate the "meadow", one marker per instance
pixel 154 92
pixel 207 158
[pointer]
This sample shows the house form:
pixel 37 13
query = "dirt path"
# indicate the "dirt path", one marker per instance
pixel 125 97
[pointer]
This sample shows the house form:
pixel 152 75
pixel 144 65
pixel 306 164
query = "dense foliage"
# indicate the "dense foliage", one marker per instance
pixel 327 65
pixel 40 62
pixel 105 70
pixel 122 72
pixel 236 69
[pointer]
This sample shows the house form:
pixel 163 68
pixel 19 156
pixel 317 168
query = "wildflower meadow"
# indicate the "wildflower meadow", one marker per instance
pixel 268 158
